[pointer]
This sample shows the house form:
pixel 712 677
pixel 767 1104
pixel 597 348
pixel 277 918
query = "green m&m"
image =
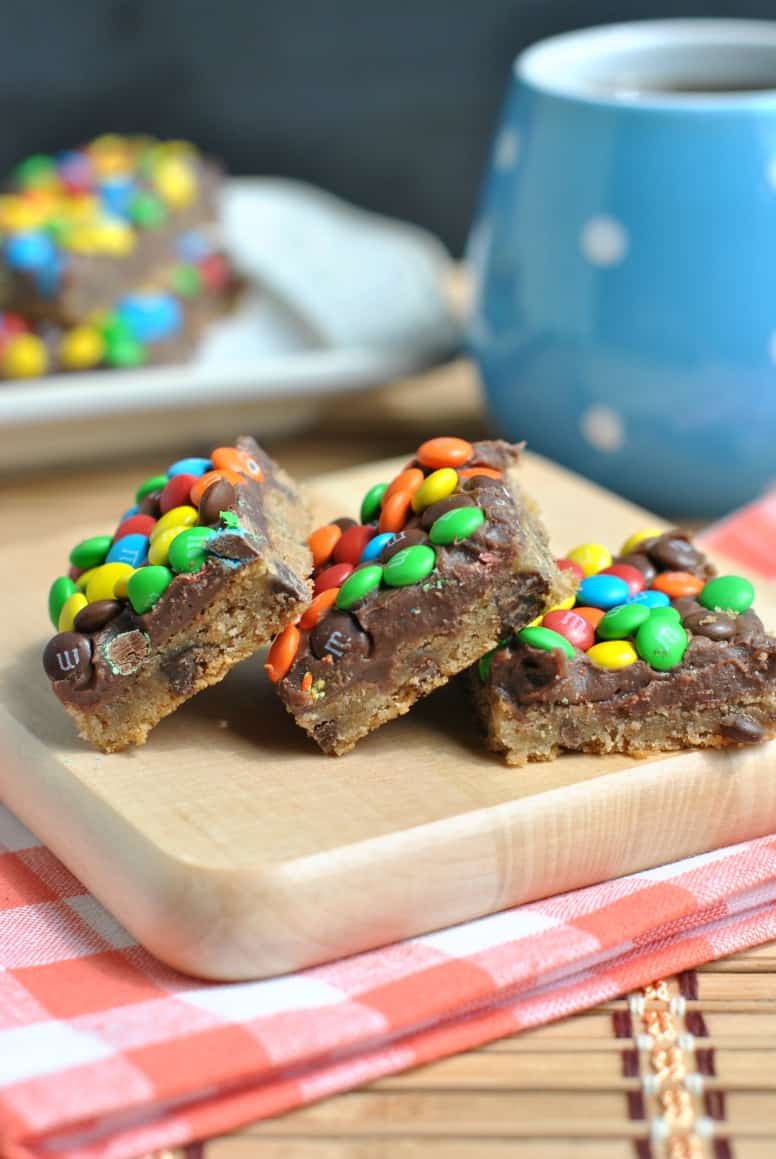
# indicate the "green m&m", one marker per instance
pixel 124 350
pixel 60 591
pixel 155 483
pixel 358 585
pixel 91 552
pixel 186 280
pixel 727 593
pixel 456 525
pixel 666 613
pixel 622 621
pixel 546 639
pixel 370 504
pixel 661 642
pixel 147 585
pixel 188 551
pixel 409 566
pixel 147 211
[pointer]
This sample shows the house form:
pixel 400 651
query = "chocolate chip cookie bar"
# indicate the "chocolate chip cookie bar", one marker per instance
pixel 655 653
pixel 207 565
pixel 446 558
pixel 84 227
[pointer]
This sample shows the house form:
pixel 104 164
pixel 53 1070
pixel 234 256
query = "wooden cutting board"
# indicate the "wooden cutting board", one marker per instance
pixel 232 848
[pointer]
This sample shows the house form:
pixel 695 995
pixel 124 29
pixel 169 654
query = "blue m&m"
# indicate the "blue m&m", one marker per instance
pixel 603 591
pixel 191 466
pixel 131 549
pixel 151 317
pixel 651 598
pixel 375 546
pixel 37 254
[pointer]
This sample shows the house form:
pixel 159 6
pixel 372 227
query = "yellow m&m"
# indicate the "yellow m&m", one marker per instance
pixel 591 557
pixel 24 356
pixel 159 550
pixel 563 606
pixel 102 581
pixel 633 541
pixel 70 609
pixel 175 181
pixel 613 654
pixel 180 517
pixel 82 348
pixel 437 486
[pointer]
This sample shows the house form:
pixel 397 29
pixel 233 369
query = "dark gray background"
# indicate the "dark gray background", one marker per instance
pixel 390 103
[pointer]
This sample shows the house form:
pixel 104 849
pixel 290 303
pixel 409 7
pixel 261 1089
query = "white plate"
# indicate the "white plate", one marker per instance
pixel 270 365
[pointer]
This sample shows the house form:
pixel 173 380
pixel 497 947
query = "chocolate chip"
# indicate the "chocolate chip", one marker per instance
pixel 484 483
pixel 712 625
pixel 68 656
pixel 642 563
pixel 452 502
pixel 97 615
pixel 150 505
pixel 338 635
pixel 218 497
pixel 742 729
pixel 406 538
pixel 344 523
pixel 673 552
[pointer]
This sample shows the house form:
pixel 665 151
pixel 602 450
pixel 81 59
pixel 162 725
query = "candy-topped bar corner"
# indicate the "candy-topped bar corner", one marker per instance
pixel 654 652
pixel 109 257
pixel 208 563
pixel 445 559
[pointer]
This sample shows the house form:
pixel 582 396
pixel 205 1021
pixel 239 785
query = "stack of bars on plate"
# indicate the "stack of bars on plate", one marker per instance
pixel 447 569
pixel 109 257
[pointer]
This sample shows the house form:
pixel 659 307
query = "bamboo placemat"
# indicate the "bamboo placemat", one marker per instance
pixel 683 1069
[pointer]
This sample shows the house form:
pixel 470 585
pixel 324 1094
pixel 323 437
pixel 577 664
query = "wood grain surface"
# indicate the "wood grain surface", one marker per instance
pixel 441 1113
pixel 232 848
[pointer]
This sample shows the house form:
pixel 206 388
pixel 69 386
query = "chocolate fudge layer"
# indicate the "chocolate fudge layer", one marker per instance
pixel 657 654
pixel 447 558
pixel 207 566
pixel 87 227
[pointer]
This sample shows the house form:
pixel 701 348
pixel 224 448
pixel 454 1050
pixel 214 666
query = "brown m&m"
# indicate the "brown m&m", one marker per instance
pixel 68 656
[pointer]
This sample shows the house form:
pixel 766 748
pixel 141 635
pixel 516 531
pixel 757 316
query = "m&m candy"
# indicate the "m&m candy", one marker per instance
pixel 456 525
pixel 603 591
pixel 591 557
pixel 661 642
pixel 411 565
pixel 613 654
pixel 23 356
pixel 82 348
pixel 727 593
pixel 358 585
pixel 546 640
pixel 147 586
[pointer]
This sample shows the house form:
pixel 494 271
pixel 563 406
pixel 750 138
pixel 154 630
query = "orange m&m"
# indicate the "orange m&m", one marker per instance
pixel 200 487
pixel 394 513
pixel 318 608
pixel 282 653
pixel 233 459
pixel 408 480
pixel 444 452
pixel 322 542
pixel 471 472
pixel 677 584
pixel 592 615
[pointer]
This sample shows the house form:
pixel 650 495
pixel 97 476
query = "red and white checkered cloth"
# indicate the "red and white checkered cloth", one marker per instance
pixel 105 1052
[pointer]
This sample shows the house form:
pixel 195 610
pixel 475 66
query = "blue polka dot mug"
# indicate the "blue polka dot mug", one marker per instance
pixel 624 256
